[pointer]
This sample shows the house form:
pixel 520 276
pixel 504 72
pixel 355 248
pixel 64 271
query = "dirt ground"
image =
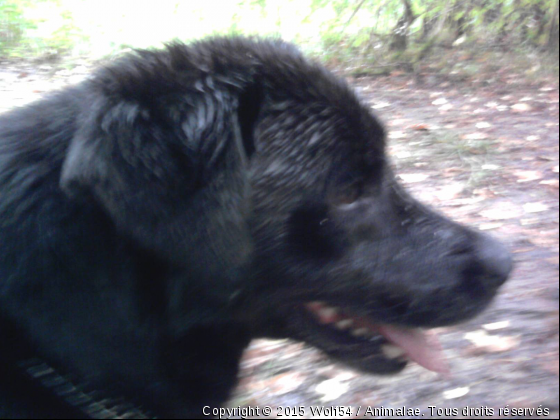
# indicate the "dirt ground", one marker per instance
pixel 483 151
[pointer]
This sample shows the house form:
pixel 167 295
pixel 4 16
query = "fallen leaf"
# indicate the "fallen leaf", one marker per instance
pixel 402 155
pixel 491 167
pixel 554 183
pixel 420 127
pixel 460 41
pixel 484 193
pixel 449 192
pixel 396 135
pixel 486 343
pixel 521 107
pixel 497 326
pixel 535 207
pixel 528 176
pixel 490 226
pixel 413 178
pixel 476 136
pixel 530 222
pixel 453 394
pixel 440 101
pixel 381 105
pixel 397 122
pixel 331 389
pixel 286 383
pixel 450 171
pixel 502 211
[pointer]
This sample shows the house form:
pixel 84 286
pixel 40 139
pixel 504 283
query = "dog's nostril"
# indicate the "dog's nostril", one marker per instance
pixel 495 260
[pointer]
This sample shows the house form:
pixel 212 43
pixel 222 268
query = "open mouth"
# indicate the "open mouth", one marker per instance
pixel 395 344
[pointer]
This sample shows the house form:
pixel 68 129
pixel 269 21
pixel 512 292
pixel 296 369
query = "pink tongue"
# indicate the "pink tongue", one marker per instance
pixel 420 347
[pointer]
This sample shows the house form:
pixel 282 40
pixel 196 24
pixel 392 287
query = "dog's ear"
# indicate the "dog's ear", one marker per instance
pixel 163 166
pixel 250 107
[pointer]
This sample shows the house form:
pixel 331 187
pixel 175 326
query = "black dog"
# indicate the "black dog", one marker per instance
pixel 156 218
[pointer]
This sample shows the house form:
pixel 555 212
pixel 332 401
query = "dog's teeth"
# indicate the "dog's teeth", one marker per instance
pixel 328 312
pixel 344 324
pixel 360 332
pixel 392 351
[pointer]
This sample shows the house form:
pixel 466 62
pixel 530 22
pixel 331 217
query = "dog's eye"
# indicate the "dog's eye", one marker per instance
pixel 347 194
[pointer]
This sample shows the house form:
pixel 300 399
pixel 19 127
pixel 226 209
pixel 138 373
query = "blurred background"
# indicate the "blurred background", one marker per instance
pixel 340 30
pixel 468 90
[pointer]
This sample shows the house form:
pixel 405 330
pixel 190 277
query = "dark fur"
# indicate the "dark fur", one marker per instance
pixel 155 219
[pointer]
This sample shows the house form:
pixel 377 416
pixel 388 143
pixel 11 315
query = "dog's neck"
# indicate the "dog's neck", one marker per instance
pixel 50 391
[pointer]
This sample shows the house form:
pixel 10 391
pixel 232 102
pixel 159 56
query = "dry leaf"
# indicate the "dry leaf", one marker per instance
pixel 535 207
pixel 440 101
pixel 491 167
pixel 528 176
pixel 486 343
pixel 413 178
pixel 396 135
pixel 402 155
pixel 484 193
pixel 381 105
pixel 554 183
pixel 476 136
pixel 456 393
pixel 449 192
pixel 502 211
pixel 454 170
pixel 521 107
pixel 530 222
pixel 283 384
pixel 497 326
pixel 490 226
pixel 331 389
pixel 420 127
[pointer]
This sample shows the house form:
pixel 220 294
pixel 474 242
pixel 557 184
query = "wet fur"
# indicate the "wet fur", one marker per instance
pixel 156 218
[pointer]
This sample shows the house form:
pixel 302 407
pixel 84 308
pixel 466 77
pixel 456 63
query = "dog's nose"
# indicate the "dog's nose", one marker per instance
pixel 495 260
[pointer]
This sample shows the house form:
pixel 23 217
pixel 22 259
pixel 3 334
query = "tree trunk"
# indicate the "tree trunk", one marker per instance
pixel 553 32
pixel 399 41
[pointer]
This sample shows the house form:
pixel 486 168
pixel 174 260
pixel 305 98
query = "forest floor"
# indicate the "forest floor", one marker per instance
pixel 484 151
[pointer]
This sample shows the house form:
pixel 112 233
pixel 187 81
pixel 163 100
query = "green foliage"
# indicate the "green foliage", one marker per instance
pixel 36 27
pixel 12 24
pixel 353 26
